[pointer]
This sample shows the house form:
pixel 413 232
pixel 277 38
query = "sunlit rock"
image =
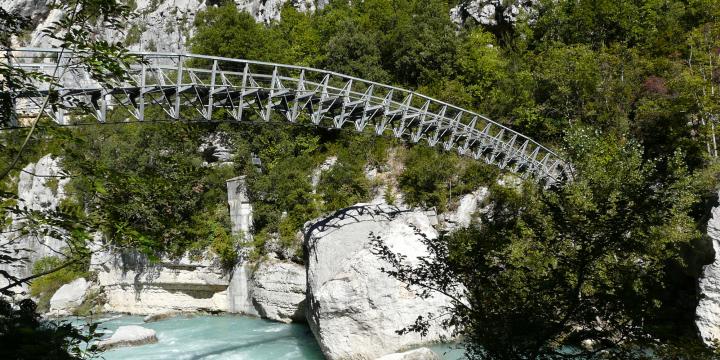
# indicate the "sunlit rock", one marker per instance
pixel 708 310
pixel 129 335
pixel 466 211
pixel 279 291
pixel 161 25
pixel 134 284
pixel 68 297
pixel 354 309
pixel 494 12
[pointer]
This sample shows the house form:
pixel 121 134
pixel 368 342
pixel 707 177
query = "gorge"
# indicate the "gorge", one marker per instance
pixel 360 180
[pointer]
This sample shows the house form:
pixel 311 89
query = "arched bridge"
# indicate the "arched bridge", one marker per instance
pixel 205 88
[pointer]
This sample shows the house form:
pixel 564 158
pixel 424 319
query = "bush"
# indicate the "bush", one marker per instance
pixel 435 179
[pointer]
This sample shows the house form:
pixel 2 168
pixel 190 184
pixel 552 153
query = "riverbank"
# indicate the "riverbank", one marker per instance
pixel 223 337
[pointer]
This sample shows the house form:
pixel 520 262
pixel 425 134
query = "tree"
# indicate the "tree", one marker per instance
pixel 229 32
pixel 575 271
pixel 23 333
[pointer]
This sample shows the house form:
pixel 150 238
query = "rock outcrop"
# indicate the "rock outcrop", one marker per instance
pixel 278 291
pixel 708 309
pixel 41 187
pixel 494 12
pixel 268 11
pixel 129 335
pixel 240 207
pixel 68 297
pixel 159 25
pixel 133 284
pixel 353 307
pixel 417 354
pixel 466 211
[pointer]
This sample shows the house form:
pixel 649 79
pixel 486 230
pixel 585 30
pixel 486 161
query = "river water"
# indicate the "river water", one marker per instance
pixel 224 337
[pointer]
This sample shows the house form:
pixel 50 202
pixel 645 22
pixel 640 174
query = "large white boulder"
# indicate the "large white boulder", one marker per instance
pixel 279 291
pixel 129 335
pixel 354 309
pixel 708 309
pixel 68 297
pixel 417 354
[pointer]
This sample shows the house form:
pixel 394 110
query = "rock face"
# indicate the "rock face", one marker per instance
pixel 494 12
pixel 132 284
pixel 129 335
pixel 240 207
pixel 466 210
pixel 217 148
pixel 68 297
pixel 268 11
pixel 240 299
pixel 161 25
pixel 279 291
pixel 41 187
pixel 417 354
pixel 353 308
pixel 708 310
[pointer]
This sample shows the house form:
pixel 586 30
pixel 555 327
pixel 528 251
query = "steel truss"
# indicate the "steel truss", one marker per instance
pixel 191 87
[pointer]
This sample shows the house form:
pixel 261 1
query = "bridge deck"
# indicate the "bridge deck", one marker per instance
pixel 188 87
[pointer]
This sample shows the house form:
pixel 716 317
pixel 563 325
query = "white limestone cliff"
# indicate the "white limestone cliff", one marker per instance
pixel 417 354
pixel 707 313
pixel 41 187
pixel 353 308
pixel 466 211
pixel 158 25
pixel 495 12
pixel 133 284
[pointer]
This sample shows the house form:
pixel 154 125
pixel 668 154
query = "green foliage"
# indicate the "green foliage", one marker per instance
pixel 227 31
pixel 424 183
pixel 44 287
pixel 25 335
pixel 147 187
pixel 133 34
pixel 281 187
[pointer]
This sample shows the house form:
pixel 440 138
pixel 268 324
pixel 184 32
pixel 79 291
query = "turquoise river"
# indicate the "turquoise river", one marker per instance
pixel 224 337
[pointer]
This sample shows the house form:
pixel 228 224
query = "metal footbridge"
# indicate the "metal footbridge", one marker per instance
pixel 186 87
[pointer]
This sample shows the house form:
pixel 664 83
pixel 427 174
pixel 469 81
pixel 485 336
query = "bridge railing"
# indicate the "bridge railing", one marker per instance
pixel 233 89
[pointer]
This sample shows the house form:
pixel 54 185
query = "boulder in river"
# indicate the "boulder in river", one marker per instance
pixel 129 335
pixel 68 297
pixel 353 308
pixel 162 315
